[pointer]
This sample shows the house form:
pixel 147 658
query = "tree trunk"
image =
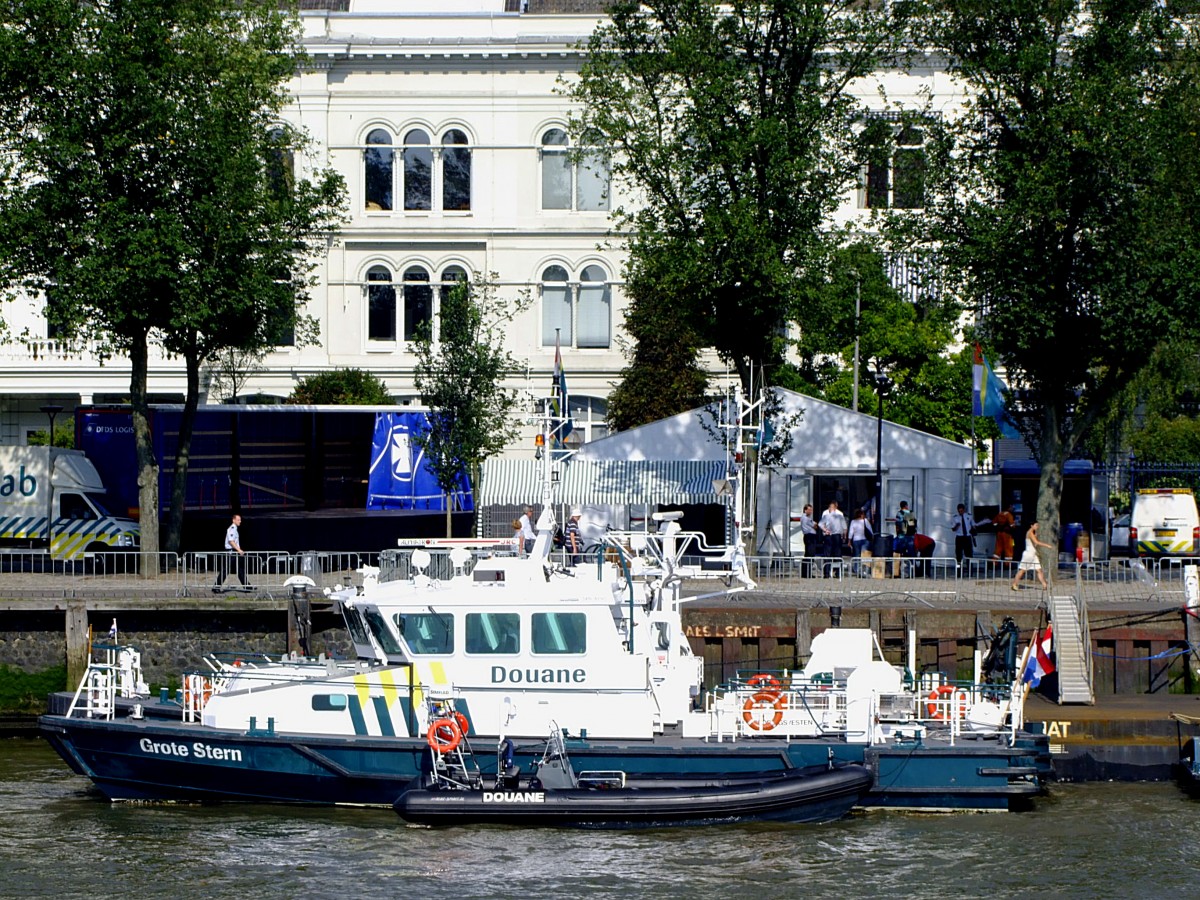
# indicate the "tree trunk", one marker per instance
pixel 1050 487
pixel 147 467
pixel 449 520
pixel 183 455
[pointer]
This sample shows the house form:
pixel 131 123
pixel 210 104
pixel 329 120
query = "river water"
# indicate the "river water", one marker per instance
pixel 59 839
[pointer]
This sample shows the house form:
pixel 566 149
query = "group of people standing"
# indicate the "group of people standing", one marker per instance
pixel 525 535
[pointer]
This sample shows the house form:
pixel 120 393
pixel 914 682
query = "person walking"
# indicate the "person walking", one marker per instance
pixel 528 535
pixel 859 533
pixel 1029 559
pixel 233 553
pixel 963 526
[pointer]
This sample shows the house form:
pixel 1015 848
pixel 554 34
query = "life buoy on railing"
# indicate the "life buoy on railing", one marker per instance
pixel 444 735
pixel 460 719
pixel 754 708
pixel 202 694
pixel 939 702
pixel 767 684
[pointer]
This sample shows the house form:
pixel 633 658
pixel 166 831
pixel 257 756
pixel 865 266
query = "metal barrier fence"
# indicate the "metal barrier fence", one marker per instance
pixel 824 581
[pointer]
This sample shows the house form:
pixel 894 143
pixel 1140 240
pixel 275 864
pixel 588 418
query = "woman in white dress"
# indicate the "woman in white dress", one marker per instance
pixel 1029 559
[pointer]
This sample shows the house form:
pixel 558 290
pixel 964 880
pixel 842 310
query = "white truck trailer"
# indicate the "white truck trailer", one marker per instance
pixel 52 500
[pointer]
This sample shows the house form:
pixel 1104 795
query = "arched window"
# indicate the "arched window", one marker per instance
pixel 595 308
pixel 456 171
pixel 418 171
pixel 377 170
pixel 581 183
pixel 418 303
pixel 281 165
pixel 556 170
pixel 381 305
pixel 556 307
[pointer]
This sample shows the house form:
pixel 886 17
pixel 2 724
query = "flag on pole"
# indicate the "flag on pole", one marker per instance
pixel 1039 664
pixel 112 632
pixel 558 399
pixel 987 395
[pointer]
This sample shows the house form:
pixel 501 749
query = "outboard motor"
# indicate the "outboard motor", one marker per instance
pixel 508 774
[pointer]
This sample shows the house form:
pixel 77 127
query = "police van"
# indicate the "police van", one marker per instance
pixel 1165 522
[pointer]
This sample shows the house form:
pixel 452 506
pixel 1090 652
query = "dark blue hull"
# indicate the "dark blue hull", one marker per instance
pixel 797 796
pixel 163 760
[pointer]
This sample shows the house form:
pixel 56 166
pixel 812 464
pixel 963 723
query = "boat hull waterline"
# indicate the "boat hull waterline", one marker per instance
pixel 159 760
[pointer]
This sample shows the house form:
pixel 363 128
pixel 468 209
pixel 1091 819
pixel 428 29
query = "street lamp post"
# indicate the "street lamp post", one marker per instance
pixel 51 411
pixel 882 384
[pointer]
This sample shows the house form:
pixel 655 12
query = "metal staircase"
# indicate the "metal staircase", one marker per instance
pixel 1072 650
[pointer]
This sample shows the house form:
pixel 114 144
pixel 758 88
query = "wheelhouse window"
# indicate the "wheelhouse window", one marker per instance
pixel 378 161
pixel 495 633
pixel 572 180
pixel 559 633
pixel 381 305
pixel 418 303
pixel 382 632
pixel 456 171
pixel 427 633
pixel 418 170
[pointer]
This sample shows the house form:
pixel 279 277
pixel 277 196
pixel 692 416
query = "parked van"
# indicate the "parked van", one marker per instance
pixel 1165 522
pixel 52 501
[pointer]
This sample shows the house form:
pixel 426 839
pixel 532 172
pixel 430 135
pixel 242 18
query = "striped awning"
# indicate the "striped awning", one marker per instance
pixel 599 482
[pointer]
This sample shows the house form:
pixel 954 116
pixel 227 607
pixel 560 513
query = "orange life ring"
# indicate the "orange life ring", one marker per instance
pixel 444 735
pixel 769 683
pixel 760 701
pixel 934 706
pixel 205 694
pixel 464 724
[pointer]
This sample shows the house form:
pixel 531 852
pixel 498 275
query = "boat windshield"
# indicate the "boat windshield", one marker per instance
pixel 383 634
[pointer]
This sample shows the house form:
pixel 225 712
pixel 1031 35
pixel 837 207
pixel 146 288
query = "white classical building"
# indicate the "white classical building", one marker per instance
pixel 450 126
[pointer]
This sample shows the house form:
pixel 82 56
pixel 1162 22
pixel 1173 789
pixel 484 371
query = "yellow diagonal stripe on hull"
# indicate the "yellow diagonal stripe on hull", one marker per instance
pixel 362 689
pixel 389 686
pixel 438 671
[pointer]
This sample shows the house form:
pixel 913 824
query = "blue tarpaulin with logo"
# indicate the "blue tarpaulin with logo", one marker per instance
pixel 399 476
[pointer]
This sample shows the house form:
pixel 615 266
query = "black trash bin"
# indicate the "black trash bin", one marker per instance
pixel 884 545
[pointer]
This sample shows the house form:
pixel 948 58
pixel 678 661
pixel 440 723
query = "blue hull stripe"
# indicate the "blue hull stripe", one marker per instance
pixel 356 714
pixel 385 718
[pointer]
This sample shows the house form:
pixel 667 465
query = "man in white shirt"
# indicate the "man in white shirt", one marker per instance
pixel 963 526
pixel 833 526
pixel 234 552
pixel 528 535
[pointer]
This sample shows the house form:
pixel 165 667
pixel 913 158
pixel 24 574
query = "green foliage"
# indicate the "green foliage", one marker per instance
pixel 148 181
pixel 342 387
pixel 63 437
pixel 1060 206
pixel 1163 440
pixel 460 375
pixel 22 692
pixel 740 142
pixel 663 377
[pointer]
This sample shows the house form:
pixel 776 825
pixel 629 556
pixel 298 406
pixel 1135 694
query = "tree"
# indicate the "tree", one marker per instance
pixel 145 188
pixel 460 374
pixel 735 127
pixel 1065 212
pixel 342 387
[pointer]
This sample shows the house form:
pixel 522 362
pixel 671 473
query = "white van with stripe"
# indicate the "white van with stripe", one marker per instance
pixel 1165 522
pixel 53 500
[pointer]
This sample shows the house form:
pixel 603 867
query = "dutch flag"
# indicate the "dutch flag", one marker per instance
pixel 1039 664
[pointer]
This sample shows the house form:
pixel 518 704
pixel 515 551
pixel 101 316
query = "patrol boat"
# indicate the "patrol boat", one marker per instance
pixel 524 644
